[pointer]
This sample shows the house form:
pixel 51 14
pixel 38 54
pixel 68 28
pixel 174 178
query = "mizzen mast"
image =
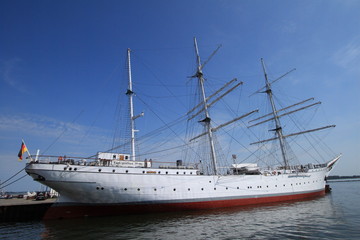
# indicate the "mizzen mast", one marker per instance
pixel 130 94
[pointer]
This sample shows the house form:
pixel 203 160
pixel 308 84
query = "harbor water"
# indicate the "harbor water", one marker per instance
pixel 334 216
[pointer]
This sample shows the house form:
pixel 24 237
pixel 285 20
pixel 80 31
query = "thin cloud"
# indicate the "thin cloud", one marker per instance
pixel 46 127
pixel 348 56
pixel 9 70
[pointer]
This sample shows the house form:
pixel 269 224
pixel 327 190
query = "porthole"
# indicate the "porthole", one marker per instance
pixel 166 172
pixel 226 188
pixel 174 189
pixel 64 168
pixel 237 187
pixel 159 172
pixel 188 189
pixel 127 171
pixel 138 189
pixel 97 188
pixel 184 172
pixel 75 169
pixel 155 189
pixel 190 172
pixel 209 181
pixel 70 169
pixel 102 188
pixel 125 189
pixel 143 171
pixel 202 189
pixel 113 170
pixel 177 172
pixel 214 188
pixel 99 170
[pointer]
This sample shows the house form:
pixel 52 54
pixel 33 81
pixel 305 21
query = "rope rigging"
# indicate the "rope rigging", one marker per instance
pixel 1 185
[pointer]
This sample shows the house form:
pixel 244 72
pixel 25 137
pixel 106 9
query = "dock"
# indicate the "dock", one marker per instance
pixel 13 210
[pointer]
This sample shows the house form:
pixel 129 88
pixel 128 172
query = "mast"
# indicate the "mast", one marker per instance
pixel 278 128
pixel 130 94
pixel 207 119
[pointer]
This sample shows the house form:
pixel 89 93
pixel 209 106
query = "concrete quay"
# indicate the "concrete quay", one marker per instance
pixel 13 210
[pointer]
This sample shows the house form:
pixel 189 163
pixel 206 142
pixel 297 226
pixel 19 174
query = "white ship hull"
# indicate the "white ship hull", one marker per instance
pixel 99 190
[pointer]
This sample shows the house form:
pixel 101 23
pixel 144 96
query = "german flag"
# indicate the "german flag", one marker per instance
pixel 23 149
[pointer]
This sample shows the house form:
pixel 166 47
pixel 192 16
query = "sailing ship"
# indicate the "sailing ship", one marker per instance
pixel 114 183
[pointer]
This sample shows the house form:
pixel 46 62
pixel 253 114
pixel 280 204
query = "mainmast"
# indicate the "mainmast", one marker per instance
pixel 130 93
pixel 207 119
pixel 278 128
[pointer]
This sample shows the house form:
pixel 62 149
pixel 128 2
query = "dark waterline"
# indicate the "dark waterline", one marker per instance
pixel 335 216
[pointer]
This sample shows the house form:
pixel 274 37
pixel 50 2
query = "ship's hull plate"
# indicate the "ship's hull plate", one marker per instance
pixel 62 211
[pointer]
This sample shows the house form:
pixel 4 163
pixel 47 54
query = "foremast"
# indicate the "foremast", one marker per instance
pixel 278 128
pixel 276 117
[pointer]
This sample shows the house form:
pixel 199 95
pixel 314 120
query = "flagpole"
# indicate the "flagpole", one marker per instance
pixel 27 150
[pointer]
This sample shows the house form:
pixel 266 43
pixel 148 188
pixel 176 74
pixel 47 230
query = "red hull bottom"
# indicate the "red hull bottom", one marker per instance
pixel 77 211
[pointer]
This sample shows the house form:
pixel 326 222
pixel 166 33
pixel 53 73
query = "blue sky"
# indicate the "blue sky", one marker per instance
pixel 61 63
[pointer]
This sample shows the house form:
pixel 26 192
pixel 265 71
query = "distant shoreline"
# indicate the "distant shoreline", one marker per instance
pixel 342 177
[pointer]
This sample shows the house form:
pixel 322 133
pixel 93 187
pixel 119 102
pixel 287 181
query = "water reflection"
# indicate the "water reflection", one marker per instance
pixel 334 216
pixel 305 219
